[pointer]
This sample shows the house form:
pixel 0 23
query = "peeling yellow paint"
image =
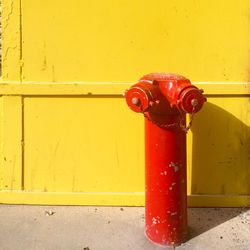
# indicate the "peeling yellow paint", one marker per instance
pixel 11 39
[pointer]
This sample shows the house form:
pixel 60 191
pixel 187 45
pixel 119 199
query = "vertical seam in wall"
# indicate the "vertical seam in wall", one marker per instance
pixel 22 97
pixel 21 41
pixel 22 142
pixel 1 143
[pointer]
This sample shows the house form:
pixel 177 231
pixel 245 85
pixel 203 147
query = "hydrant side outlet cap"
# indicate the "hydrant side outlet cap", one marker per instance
pixel 191 100
pixel 137 99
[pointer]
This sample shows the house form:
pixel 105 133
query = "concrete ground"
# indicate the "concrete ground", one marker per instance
pixel 114 228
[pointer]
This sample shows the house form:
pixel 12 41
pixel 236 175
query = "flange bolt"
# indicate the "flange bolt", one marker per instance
pixel 194 102
pixel 135 101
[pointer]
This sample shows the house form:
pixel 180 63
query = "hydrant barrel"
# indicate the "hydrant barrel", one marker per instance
pixel 164 99
pixel 166 191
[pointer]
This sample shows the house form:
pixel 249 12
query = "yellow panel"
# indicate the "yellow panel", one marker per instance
pixel 220 149
pixel 11 142
pixel 82 145
pixel 118 41
pixel 95 144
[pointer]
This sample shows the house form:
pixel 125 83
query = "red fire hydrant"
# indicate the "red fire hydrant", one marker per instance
pixel 164 99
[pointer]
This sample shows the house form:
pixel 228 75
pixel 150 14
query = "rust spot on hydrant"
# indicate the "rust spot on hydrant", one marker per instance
pixel 175 166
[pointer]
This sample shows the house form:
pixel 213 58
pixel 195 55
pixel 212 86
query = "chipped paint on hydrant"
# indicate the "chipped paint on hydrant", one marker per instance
pixel 164 100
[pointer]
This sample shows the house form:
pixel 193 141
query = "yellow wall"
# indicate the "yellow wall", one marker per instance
pixel 67 136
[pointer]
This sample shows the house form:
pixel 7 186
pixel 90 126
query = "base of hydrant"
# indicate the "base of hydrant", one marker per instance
pixel 169 245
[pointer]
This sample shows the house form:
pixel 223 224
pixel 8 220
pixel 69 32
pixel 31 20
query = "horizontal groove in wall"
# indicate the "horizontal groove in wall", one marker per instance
pixel 114 199
pixel 110 89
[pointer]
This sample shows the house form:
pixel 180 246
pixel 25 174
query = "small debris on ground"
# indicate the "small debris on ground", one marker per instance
pixel 221 237
pixel 49 213
pixel 109 222
pixel 122 209
pixel 86 248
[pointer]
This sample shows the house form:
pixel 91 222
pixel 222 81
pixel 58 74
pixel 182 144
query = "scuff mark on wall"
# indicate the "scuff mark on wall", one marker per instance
pixel 53 74
pixel 44 65
pixel 5 56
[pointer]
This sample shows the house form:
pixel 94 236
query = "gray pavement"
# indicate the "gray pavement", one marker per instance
pixel 114 228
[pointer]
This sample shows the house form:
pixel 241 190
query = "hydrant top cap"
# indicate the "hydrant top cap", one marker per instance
pixel 163 77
